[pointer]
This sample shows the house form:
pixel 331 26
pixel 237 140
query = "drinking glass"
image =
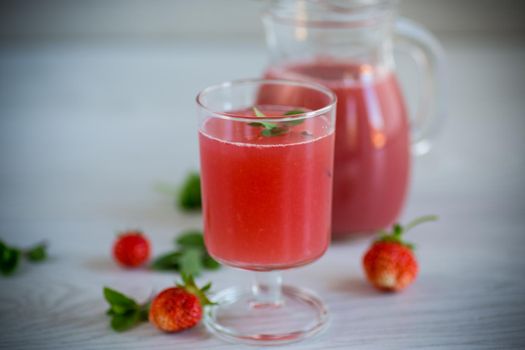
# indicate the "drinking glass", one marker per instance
pixel 266 167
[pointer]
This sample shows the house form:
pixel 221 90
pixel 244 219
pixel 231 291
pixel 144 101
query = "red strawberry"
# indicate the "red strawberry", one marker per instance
pixel 131 249
pixel 178 308
pixel 390 263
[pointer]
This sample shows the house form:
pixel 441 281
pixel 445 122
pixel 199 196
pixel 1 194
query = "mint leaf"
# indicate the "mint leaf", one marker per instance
pixel 169 261
pixel 119 300
pixel 276 131
pixel 294 111
pixel 9 259
pixel 190 193
pixel 190 257
pixel 191 239
pixel 264 125
pixel 273 129
pixel 125 312
pixel 144 312
pixel 37 253
pixel 260 114
pixel 190 262
pixel 209 263
pixel 256 124
pixel 121 323
pixel 294 122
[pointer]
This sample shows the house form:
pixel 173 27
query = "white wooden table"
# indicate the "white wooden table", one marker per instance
pixel 86 131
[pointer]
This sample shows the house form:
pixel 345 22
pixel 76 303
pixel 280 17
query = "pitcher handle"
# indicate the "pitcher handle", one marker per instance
pixel 427 53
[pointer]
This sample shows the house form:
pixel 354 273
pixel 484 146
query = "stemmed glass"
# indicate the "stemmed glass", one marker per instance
pixel 266 151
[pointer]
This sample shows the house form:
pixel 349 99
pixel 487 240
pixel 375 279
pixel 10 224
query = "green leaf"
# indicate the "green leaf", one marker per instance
pixel 191 239
pixel 256 124
pixel 9 259
pixel 398 230
pixel 209 263
pixel 276 131
pixel 190 262
pixel 121 323
pixel 263 124
pixel 391 238
pixel 110 312
pixel 37 253
pixel 206 287
pixel 119 309
pixel 190 258
pixel 396 236
pixel 125 313
pixel 190 193
pixel 190 286
pixel 273 129
pixel 294 122
pixel 268 126
pixel 119 302
pixel 169 261
pixel 294 111
pixel 144 313
pixel 258 113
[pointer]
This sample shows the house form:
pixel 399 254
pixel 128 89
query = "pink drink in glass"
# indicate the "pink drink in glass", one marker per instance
pixel 266 199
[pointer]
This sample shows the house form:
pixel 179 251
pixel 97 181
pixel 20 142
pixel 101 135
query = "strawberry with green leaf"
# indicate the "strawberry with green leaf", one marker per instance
pixel 390 263
pixel 180 307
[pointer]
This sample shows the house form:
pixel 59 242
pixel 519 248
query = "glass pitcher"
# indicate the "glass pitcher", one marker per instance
pixel 348 46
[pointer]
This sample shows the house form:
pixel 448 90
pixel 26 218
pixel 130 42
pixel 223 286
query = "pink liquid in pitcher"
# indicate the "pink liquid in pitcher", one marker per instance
pixel 372 148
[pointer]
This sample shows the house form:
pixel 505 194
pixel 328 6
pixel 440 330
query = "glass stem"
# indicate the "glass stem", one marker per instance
pixel 267 288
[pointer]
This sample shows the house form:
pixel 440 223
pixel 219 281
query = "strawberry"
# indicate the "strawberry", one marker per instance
pixel 180 307
pixel 390 263
pixel 131 249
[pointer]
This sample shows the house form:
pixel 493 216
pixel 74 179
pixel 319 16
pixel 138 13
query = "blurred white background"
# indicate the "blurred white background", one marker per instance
pixel 168 20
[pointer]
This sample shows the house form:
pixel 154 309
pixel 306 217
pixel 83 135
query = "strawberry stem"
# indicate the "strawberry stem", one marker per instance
pixel 398 230
pixel 419 221
pixel 190 286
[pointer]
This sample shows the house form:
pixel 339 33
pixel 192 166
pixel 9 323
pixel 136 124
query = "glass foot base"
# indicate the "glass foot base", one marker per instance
pixel 239 318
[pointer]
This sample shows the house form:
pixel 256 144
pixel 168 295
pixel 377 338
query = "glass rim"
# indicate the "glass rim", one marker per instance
pixel 260 81
pixel 348 15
